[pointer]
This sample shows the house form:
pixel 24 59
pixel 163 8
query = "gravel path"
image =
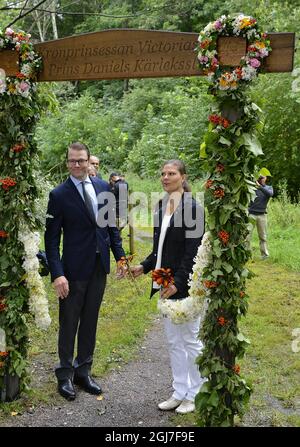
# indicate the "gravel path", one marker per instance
pixel 130 395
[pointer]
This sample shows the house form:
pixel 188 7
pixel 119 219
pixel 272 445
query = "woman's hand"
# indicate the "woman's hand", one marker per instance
pixel 169 291
pixel 137 270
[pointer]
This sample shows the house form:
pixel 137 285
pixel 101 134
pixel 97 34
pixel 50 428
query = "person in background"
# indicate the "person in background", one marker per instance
pixel 95 162
pixel 92 171
pixel 119 187
pixel 178 232
pixel 79 276
pixel 258 212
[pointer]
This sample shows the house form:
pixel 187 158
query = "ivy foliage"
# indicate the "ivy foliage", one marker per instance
pixel 20 109
pixel 230 151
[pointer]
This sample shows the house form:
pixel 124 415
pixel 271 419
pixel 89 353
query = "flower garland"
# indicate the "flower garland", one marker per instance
pixel 38 303
pixel 29 64
pixel 19 192
pixel 258 47
pixel 229 152
pixel 189 308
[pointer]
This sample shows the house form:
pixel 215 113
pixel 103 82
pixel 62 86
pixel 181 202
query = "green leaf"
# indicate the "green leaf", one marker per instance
pixel 217 273
pixel 253 144
pixel 265 172
pixel 214 399
pixel 227 267
pixel 241 337
pixel 223 140
pixel 5 284
pixel 203 153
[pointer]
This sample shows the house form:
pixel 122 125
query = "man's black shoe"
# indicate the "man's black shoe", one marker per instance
pixel 66 389
pixel 88 384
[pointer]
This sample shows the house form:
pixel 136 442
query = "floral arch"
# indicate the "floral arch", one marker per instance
pixel 229 149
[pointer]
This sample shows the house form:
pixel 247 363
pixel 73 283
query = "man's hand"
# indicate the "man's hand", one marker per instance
pixel 168 291
pixel 61 286
pixel 137 270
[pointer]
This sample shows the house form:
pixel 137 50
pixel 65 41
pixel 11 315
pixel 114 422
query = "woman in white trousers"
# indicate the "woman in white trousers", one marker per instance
pixel 178 230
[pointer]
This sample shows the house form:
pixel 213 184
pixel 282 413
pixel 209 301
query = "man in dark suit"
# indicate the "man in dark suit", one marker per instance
pixel 79 277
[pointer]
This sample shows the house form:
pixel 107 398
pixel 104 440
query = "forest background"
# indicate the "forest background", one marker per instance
pixel 133 125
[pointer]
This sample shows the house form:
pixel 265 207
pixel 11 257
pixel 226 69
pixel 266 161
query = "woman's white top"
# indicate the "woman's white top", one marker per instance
pixel 164 226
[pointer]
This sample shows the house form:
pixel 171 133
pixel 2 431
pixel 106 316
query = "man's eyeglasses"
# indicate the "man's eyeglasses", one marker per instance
pixel 81 162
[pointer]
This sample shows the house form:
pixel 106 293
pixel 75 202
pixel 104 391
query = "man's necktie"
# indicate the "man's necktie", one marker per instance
pixel 88 202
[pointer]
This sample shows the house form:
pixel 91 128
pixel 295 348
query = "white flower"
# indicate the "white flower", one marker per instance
pixel 248 73
pixel 180 311
pixel 210 27
pixel 251 34
pixel 38 303
pixel 2 86
pixel 26 69
pixel 190 308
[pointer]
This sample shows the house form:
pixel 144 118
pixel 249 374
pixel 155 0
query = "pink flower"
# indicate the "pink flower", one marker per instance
pixel 214 61
pixel 218 24
pixel 24 86
pixel 263 52
pixel 9 32
pixel 203 59
pixel 254 63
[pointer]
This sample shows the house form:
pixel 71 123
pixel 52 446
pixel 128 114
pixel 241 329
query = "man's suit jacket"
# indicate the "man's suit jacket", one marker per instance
pixel 67 213
pixel 179 249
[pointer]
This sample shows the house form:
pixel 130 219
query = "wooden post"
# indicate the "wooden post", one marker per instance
pixel 131 228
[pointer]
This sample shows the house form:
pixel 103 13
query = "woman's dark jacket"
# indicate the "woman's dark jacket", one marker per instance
pixel 181 243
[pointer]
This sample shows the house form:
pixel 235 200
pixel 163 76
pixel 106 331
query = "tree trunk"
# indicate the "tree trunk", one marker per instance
pixel 11 388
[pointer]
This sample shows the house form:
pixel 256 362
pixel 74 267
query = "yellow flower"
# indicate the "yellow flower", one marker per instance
pixel 223 82
pixel 245 22
pixel 11 88
pixel 259 44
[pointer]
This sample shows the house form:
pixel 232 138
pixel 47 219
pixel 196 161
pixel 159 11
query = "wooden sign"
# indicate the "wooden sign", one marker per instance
pixel 281 59
pixel 231 50
pixel 119 54
pixel 129 53
pixel 9 62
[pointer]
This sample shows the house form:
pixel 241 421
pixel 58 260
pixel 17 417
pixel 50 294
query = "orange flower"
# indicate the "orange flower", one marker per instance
pixel 7 182
pixel 220 167
pixel 205 43
pixel 236 369
pixel 2 307
pixel 3 354
pixel 219 120
pixel 225 123
pixel 210 284
pixel 163 277
pixel 246 22
pixel 223 236
pixel 3 234
pixel 20 75
pixel 238 72
pixel 222 321
pixel 242 294
pixel 18 147
pixel 209 184
pixel 219 193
